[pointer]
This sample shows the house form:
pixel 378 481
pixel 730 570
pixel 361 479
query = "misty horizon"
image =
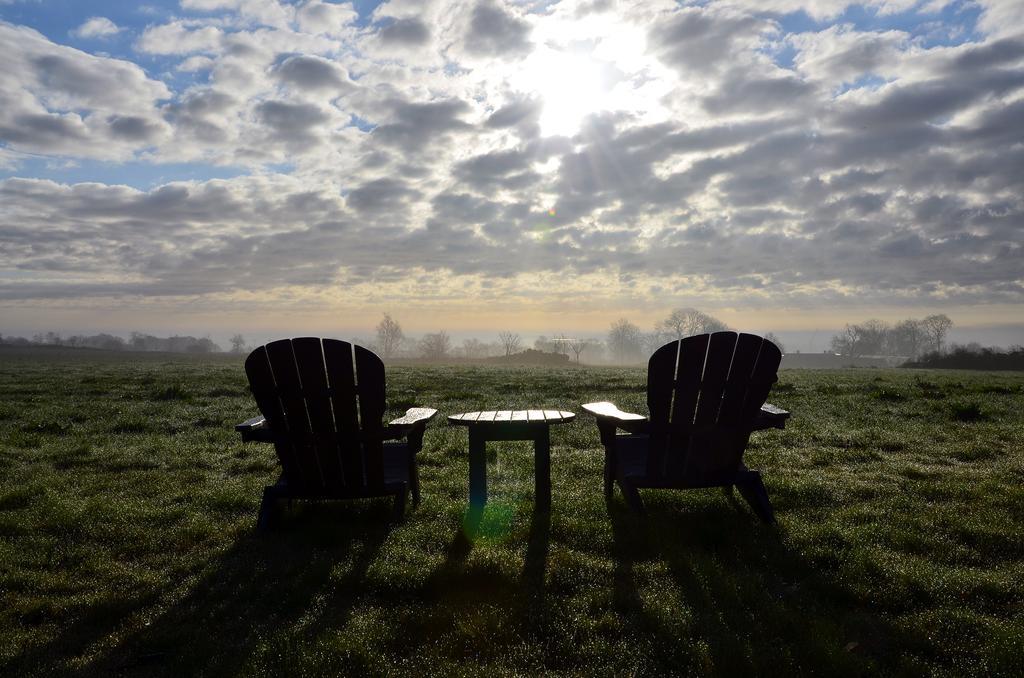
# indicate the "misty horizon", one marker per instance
pixel 807 341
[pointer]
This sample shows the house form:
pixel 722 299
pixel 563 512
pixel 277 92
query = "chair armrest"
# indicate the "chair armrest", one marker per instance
pixel 412 427
pixel 770 416
pixel 256 429
pixel 606 410
pixel 609 415
pixel 414 416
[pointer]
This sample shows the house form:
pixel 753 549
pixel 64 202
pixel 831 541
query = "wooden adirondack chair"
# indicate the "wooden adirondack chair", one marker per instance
pixel 706 394
pixel 323 403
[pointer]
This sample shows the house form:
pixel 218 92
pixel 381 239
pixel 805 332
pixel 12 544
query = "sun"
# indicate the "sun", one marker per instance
pixel 570 85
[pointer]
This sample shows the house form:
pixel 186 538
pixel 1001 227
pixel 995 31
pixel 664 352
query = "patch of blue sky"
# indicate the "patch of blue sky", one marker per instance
pixel 956 23
pixel 365 9
pixel 57 19
pixel 279 168
pixel 137 174
pixel 871 82
pixel 177 80
pixel 362 124
pixel 783 54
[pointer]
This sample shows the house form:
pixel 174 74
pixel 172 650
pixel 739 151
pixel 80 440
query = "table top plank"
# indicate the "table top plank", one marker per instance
pixel 496 417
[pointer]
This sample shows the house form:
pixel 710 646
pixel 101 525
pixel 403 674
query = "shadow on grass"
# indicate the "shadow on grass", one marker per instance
pixel 470 609
pixel 744 604
pixel 737 602
pixel 263 584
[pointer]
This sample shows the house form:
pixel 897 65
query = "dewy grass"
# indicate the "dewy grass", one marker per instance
pixel 127 544
pixel 968 410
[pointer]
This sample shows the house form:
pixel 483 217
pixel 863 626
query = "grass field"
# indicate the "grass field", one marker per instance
pixel 127 507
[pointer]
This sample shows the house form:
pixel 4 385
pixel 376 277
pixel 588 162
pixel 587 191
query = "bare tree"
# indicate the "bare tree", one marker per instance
pixel 510 341
pixel 652 341
pixel 906 338
pixel 435 346
pixel 771 336
pixel 389 336
pixel 560 344
pixel 873 337
pixel 577 346
pixel 624 341
pixel 473 349
pixel 237 343
pixel 849 343
pixel 685 322
pixel 935 328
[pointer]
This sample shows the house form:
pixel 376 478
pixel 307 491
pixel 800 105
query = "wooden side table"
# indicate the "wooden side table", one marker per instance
pixel 510 425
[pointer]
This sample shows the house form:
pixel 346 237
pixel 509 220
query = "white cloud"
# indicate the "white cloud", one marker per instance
pixel 180 37
pixel 655 148
pixel 840 54
pixel 195 63
pixel 96 27
pixel 55 99
pixel 1002 17
pixel 261 12
pixel 327 18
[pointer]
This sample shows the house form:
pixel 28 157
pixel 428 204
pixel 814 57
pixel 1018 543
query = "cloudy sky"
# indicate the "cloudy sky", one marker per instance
pixel 276 166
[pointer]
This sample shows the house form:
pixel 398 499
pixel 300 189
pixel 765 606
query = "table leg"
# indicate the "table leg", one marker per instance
pixel 542 470
pixel 477 469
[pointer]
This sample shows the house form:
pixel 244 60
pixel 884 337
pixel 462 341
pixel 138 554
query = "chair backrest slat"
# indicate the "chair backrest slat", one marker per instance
pixel 325 402
pixel 660 383
pixel 685 399
pixel 370 388
pixel 309 358
pixel 716 371
pixel 289 391
pixel 700 424
pixel 264 390
pixel 341 375
pixel 748 348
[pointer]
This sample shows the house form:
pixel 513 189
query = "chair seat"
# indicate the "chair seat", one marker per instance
pixel 631 453
pixel 396 458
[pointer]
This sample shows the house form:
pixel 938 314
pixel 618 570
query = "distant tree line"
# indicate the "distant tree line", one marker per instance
pixel 625 342
pixel 109 342
pixel 909 338
pixel 973 356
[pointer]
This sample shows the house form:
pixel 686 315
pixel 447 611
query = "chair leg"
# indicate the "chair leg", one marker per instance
pixel 400 503
pixel 607 431
pixel 267 506
pixel 414 480
pixel 632 496
pixel 752 490
pixel 609 472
